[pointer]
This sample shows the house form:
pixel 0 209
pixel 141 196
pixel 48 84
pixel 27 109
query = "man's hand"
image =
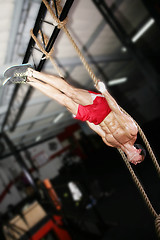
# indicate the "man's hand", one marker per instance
pixel 101 87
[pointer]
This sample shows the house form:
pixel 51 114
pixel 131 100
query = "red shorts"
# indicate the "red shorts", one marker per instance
pixel 96 112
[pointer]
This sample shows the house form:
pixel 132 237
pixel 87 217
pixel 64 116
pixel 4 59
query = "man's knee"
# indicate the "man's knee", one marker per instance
pixel 71 93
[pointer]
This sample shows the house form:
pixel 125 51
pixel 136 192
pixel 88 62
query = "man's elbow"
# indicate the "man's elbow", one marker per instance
pixel 134 130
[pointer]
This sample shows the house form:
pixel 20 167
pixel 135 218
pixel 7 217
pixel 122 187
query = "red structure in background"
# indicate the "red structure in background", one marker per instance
pixel 52 194
pixel 56 227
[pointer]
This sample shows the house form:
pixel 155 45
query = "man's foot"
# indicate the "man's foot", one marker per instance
pixel 17 74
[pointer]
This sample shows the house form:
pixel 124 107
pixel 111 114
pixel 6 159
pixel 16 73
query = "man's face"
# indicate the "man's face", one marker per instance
pixel 137 157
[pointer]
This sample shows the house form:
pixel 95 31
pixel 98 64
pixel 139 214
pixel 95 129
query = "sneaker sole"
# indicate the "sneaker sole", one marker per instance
pixel 9 72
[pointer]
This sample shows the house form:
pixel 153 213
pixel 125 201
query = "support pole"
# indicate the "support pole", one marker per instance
pixel 19 159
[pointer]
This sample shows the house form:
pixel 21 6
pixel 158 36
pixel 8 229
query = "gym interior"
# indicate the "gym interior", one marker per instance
pixel 58 179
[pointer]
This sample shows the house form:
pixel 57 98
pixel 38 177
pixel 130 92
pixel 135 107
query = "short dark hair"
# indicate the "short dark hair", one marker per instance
pixel 139 146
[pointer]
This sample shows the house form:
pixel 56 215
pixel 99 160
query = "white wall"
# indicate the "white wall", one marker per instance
pixel 43 157
pixel 40 154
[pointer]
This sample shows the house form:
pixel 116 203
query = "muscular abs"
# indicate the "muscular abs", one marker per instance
pixel 118 133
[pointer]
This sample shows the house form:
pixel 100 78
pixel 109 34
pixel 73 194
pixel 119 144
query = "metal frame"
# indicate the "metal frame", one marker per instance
pixel 40 17
pixel 19 159
pixel 145 67
pixel 52 39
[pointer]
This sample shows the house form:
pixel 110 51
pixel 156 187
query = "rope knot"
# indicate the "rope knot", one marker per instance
pixel 61 24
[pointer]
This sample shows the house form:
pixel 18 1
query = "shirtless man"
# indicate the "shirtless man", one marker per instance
pixel 99 110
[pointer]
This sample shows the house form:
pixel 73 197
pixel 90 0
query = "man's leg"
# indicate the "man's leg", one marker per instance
pixel 54 93
pixel 79 96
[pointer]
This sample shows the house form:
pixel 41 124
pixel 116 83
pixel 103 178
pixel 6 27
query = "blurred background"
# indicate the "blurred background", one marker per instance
pixel 58 180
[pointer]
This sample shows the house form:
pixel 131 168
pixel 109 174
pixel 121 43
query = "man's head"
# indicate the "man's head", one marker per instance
pixel 139 154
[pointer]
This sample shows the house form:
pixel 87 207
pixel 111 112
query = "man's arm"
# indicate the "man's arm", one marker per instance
pixel 122 118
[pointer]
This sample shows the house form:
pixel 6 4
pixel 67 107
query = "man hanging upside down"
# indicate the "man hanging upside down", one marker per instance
pixel 99 110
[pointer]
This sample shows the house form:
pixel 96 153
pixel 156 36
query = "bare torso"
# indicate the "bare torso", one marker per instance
pixel 120 131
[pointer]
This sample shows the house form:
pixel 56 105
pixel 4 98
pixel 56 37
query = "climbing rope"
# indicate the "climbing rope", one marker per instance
pixel 94 78
pixel 148 147
pixel 57 6
pixel 143 193
pixel 137 182
pixel 61 25
pixel 157 226
pixel 48 55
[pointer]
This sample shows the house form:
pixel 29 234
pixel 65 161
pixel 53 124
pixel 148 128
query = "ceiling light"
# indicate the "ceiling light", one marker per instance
pixel 117 81
pixel 124 49
pixel 142 30
pixel 38 138
pixel 75 191
pixel 59 116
